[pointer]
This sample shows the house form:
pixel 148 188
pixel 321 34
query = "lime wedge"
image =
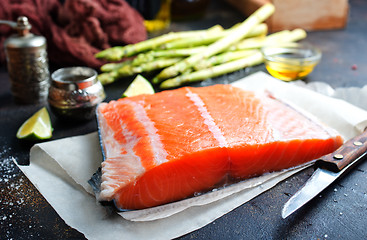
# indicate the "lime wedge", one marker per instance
pixel 37 127
pixel 139 85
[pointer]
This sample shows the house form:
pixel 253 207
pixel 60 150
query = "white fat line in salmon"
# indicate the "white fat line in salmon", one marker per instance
pixel 208 119
pixel 160 154
pixel 305 113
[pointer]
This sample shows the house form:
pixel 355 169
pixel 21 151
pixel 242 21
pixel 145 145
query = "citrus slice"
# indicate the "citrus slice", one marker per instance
pixel 139 85
pixel 37 127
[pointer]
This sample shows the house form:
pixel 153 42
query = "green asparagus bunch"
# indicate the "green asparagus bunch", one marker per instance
pixel 191 56
pixel 119 52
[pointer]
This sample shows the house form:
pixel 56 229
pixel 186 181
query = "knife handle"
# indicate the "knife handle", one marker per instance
pixel 347 153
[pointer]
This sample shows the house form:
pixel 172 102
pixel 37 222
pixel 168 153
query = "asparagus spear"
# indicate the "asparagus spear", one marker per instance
pixel 260 29
pixel 111 54
pixel 108 77
pixel 130 70
pixel 223 58
pixel 159 63
pixel 142 58
pixel 240 32
pixel 278 37
pixel 215 71
pixel 149 56
pixel 108 67
pixel 293 36
pixel 118 52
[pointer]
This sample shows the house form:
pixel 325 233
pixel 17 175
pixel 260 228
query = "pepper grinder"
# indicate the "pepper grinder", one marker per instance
pixel 27 63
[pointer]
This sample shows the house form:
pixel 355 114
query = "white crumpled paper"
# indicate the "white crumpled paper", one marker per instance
pixel 60 170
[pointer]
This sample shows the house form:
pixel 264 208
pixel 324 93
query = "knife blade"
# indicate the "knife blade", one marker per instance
pixel 328 168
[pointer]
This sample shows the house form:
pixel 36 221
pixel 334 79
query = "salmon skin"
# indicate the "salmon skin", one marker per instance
pixel 170 145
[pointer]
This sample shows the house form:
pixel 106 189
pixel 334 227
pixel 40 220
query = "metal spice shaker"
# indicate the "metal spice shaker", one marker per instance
pixel 75 93
pixel 27 63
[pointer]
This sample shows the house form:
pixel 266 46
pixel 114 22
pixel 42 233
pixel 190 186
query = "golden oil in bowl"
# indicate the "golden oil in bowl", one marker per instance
pixel 291 61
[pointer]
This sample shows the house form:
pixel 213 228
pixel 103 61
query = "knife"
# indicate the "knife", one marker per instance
pixel 328 168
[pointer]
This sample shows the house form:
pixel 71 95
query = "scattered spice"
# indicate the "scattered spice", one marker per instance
pixel 14 195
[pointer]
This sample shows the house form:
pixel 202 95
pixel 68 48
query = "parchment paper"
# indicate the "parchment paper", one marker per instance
pixel 60 170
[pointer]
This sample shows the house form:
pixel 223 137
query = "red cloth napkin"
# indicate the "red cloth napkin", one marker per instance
pixel 76 29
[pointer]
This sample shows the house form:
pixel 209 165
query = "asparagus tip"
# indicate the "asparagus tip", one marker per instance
pixel 170 83
pixel 156 80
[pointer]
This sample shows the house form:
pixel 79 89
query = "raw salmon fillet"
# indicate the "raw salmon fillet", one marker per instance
pixel 168 146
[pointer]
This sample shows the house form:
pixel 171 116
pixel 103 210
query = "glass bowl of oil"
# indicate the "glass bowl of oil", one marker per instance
pixel 291 61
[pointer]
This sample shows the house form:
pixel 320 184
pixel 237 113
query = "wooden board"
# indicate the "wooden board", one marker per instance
pixel 306 14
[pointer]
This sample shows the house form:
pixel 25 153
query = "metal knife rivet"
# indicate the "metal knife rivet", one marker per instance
pixel 338 156
pixel 358 143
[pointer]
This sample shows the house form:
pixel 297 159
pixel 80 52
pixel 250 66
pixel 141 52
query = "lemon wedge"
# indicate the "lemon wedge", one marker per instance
pixel 139 85
pixel 37 127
